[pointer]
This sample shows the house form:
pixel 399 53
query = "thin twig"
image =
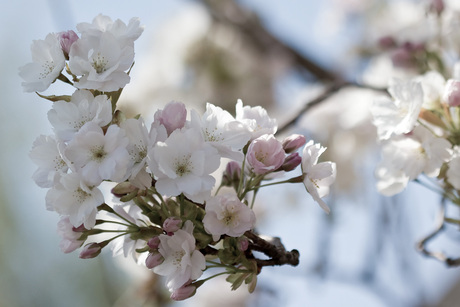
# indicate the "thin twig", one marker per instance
pixel 421 245
pixel 328 92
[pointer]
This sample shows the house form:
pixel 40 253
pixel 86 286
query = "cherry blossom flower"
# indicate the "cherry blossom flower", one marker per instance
pixel 70 238
pixel 433 84
pixel 139 145
pixel 51 166
pixel 452 93
pixel 48 63
pixel 453 172
pixel 405 157
pixel 68 117
pixel 182 261
pixel 226 214
pixel 183 164
pixel 256 119
pixel 125 34
pixel 390 181
pixel 74 198
pixel 317 176
pixel 98 156
pixel 223 131
pixel 398 115
pixel 265 154
pixel 101 62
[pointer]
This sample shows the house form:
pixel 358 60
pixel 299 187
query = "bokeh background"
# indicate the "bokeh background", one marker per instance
pixel 278 54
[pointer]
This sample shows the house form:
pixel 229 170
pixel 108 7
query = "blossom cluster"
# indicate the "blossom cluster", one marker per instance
pixel 418 124
pixel 167 208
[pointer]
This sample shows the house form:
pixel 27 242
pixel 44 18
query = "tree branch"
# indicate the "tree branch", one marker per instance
pixel 273 248
pixel 230 13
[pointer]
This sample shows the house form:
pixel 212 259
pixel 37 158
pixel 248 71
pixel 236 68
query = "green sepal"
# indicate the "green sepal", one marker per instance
pixel 129 196
pixel 155 217
pixel 55 98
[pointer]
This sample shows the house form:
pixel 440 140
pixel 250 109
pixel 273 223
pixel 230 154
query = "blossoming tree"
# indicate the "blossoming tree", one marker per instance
pixel 171 210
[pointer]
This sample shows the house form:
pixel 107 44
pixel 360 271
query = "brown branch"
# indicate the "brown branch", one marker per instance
pixel 230 13
pixel 273 248
pixel 421 245
pixel 328 92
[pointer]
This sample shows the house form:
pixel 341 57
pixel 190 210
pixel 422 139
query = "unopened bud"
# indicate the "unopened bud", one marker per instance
pixel 184 292
pixel 66 39
pixel 437 6
pixel 90 250
pixel 154 259
pixel 232 174
pixel 291 162
pixel 293 142
pixel 402 57
pixel 452 93
pixel 243 244
pixel 172 224
pixel 154 242
pixel 172 117
pixel 387 42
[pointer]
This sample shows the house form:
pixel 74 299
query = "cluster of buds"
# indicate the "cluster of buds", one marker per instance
pixel 167 209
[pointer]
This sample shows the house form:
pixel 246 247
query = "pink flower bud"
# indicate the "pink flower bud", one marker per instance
pixel 154 259
pixel 183 292
pixel 291 162
pixel 293 142
pixel 265 154
pixel 437 6
pixel 90 250
pixel 452 93
pixel 172 224
pixel 232 173
pixel 401 57
pixel 243 244
pixel 67 39
pixel 173 116
pixel 387 42
pixel 154 242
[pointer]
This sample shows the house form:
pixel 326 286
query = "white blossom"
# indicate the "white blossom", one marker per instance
pixel 226 214
pixel 70 238
pixel 223 131
pixel 256 119
pixel 183 262
pixel 183 163
pixel 74 198
pixel 101 61
pixel 68 117
pixel 433 84
pixel 98 156
pixel 139 145
pixel 405 157
pixel 125 34
pixel 51 166
pixel 48 61
pixel 398 114
pixel 317 176
pixel 453 172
